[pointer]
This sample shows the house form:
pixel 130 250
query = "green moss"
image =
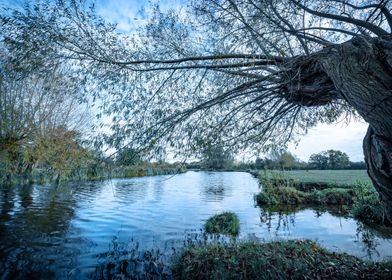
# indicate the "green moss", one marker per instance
pixel 225 223
pixel 276 260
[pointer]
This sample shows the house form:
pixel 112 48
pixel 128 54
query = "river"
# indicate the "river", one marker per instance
pixel 68 231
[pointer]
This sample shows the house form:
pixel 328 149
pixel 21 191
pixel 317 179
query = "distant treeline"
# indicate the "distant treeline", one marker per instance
pixel 63 158
pixel 280 160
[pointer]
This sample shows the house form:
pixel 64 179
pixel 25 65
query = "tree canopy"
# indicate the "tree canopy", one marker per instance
pixel 331 159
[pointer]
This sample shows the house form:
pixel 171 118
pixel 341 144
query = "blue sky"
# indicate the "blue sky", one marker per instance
pixel 129 14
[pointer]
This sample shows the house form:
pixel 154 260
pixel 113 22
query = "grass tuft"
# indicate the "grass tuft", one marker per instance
pixel 225 223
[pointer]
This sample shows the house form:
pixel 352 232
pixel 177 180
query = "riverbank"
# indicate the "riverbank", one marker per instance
pixel 39 176
pixel 293 259
pixel 357 198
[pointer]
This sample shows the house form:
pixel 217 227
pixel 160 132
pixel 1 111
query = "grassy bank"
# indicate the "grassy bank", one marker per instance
pixel 359 198
pixel 278 188
pixel 275 260
pixel 293 259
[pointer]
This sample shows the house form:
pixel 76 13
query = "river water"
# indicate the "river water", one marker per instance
pixel 68 231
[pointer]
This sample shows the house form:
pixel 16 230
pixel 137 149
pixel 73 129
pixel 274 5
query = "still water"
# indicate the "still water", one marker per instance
pixel 66 231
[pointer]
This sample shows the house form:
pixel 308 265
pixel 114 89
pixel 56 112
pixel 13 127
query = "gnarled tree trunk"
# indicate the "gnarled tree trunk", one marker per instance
pixel 359 71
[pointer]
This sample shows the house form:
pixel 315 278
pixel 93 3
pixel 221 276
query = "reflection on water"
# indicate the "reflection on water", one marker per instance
pixel 76 231
pixel 332 227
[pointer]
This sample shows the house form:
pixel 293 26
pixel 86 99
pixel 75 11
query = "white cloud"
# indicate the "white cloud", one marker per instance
pixel 347 138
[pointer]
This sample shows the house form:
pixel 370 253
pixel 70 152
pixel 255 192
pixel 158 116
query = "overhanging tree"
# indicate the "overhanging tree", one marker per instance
pixel 256 73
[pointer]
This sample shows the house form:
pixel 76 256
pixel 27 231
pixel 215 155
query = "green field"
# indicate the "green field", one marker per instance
pixel 346 177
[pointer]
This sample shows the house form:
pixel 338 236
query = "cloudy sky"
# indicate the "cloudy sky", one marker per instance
pixel 129 14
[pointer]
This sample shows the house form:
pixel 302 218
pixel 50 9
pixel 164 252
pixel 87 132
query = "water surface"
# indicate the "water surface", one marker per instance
pixel 66 231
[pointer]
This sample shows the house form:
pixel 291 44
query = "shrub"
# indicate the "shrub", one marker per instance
pixel 367 206
pixel 225 223
pixel 281 195
pixel 333 196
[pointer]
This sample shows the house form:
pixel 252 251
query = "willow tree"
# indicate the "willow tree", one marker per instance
pixel 250 73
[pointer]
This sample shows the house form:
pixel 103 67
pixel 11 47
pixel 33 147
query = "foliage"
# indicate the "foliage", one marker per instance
pixel 358 165
pixel 331 196
pixel 331 159
pixel 279 159
pixel 58 155
pixel 128 156
pixel 294 259
pixel 224 223
pixel 367 206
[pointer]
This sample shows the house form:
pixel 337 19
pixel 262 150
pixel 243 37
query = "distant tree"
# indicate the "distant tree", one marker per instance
pixel 216 156
pixel 281 159
pixel 358 165
pixel 259 163
pixel 287 160
pixel 331 159
pixel 278 159
pixel 338 159
pixel 319 161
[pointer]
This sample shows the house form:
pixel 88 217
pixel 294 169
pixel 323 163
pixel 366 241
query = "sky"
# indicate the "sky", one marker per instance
pixel 129 14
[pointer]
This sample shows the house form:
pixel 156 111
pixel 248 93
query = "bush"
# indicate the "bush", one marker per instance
pixel 275 260
pixel 281 195
pixel 333 196
pixel 367 206
pixel 225 223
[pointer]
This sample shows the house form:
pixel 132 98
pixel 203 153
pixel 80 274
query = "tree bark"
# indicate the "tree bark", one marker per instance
pixel 378 156
pixel 360 72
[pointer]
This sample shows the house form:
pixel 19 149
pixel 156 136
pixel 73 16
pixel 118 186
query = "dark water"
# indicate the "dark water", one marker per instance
pixel 67 231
